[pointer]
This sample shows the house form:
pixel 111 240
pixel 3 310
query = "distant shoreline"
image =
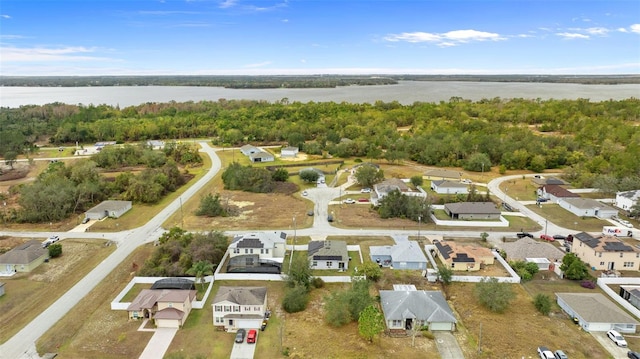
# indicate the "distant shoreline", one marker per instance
pixel 292 82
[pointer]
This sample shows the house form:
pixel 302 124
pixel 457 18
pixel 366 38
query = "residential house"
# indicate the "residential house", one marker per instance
pixel 248 150
pixel 261 252
pixel 449 187
pixel 289 152
pixel 555 193
pixel 113 209
pixel 527 249
pixel 168 308
pixel 605 252
pixel 328 255
pixel 262 156
pixel 23 258
pixel 380 190
pixel 587 207
pixel 239 307
pixel 631 293
pixel 626 200
pixel 472 210
pixel 406 308
pixel 460 257
pixel 442 174
pixel 595 313
pixel 541 181
pixel 404 255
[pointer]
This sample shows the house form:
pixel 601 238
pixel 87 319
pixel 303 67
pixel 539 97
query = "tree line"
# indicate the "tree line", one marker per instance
pixel 595 142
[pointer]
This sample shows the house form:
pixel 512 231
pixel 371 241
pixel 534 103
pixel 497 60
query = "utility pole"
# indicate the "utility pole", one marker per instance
pixel 294 243
pixel 419 220
pixel 480 340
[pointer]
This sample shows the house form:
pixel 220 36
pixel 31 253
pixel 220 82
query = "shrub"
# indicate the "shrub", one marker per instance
pixel 55 250
pixel 317 282
pixel 542 302
pixel 588 284
pixel 295 300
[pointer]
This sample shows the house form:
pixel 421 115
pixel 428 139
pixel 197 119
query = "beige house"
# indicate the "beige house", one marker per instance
pixel 239 307
pixel 23 258
pixel 605 252
pixel 460 257
pixel 169 308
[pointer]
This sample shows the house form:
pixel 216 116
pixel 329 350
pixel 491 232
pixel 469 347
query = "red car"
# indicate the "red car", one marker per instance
pixel 251 336
pixel 547 237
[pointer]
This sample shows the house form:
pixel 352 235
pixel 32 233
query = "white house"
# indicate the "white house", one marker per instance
pixel 328 255
pixel 261 252
pixel 628 199
pixel 261 156
pixel 380 190
pixel 289 152
pixel 449 187
pixel 587 207
pixel 239 307
pixel 404 255
pixel 113 209
pixel 248 150
pixel 595 313
pixel 406 308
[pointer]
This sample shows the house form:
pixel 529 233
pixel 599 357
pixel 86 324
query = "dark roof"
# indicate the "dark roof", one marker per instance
pixel 558 191
pixel 250 243
pixel 473 208
pixel 587 239
pixel 327 250
pixel 604 243
pixel 241 295
pixel 173 283
pixel 445 250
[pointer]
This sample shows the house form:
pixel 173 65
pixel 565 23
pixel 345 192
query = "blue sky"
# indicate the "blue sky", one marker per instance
pixel 256 37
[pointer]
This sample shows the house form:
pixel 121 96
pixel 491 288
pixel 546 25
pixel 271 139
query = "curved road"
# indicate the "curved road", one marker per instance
pixel 22 345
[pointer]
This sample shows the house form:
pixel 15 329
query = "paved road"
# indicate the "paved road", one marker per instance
pixel 22 344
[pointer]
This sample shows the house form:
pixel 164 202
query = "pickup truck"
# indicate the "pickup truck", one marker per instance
pixel 545 353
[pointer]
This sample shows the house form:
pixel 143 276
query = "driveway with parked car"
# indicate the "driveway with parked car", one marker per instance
pixel 244 349
pixel 609 345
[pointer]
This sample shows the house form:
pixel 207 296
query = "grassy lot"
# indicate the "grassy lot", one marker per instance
pixel 27 294
pixel 564 218
pixel 520 189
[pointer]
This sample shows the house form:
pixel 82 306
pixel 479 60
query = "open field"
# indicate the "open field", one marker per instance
pixel 564 218
pixel 27 294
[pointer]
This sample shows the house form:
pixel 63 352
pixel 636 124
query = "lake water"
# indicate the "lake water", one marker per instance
pixel 406 92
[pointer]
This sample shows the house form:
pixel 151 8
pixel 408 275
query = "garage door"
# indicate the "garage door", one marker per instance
pixel 167 323
pixel 440 326
pixel 248 323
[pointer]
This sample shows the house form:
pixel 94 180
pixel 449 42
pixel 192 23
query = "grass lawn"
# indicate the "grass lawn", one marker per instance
pixel 27 294
pixel 520 189
pixel 564 218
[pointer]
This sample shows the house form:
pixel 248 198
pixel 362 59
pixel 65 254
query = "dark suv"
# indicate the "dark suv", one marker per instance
pixel 240 335
pixel 524 234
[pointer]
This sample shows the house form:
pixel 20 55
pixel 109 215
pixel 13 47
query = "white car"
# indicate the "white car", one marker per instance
pixel 365 190
pixel 304 193
pixel 545 353
pixel 49 241
pixel 617 338
pixel 349 201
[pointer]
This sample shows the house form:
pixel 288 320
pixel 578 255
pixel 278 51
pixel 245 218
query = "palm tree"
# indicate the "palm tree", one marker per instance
pixel 201 269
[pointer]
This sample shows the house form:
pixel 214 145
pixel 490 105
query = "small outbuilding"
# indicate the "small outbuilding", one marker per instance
pixel 289 152
pixel 113 209
pixel 261 157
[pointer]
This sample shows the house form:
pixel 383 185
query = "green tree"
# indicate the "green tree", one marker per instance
pixel 526 270
pixel 416 181
pixel 55 250
pixel 200 269
pixel 299 273
pixel 445 274
pixel 309 176
pixel 370 323
pixel 478 162
pixel 210 206
pixel 10 158
pixel 371 270
pixel 295 299
pixel 367 175
pixel 542 302
pixel 484 236
pixel 573 267
pixel 280 175
pixel 494 295
pixel 336 309
pixel 635 211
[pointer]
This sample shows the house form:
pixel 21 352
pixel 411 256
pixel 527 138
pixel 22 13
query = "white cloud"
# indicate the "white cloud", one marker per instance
pixel 227 4
pixel 451 38
pixel 36 54
pixel 259 64
pixel 597 31
pixel 5 16
pixel 572 35
pixel 635 28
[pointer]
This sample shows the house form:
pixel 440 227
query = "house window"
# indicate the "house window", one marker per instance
pixel 637 255
pixel 236 308
pixel 135 315
pixel 329 264
pixel 170 305
pixel 396 323
pixel 217 308
pixel 266 251
pixel 227 308
pixel 251 250
pixel 257 309
pixel 247 309
pixel 600 254
pixel 628 264
pixel 246 251
pixel 601 263
pixel 621 254
pixel 261 250
pixel 314 263
pixel 236 250
pixel 219 320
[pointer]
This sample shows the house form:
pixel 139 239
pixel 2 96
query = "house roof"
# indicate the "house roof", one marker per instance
pixel 110 206
pixel 328 250
pixel 633 195
pixel 588 203
pixel 420 304
pixel 448 184
pixel 24 253
pixel 472 208
pixel 261 154
pixel 148 298
pixel 604 243
pixel 596 308
pixel 169 313
pixel 634 290
pixel 258 240
pixel 548 181
pixel 530 248
pixel 241 295
pixel 391 184
pixel 443 173
pixel 459 253
pixel 290 148
pixel 402 252
pixel 247 147
pixel 558 191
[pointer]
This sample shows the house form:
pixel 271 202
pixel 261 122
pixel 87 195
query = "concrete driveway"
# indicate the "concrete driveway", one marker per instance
pixel 615 351
pixel 448 346
pixel 244 350
pixel 159 343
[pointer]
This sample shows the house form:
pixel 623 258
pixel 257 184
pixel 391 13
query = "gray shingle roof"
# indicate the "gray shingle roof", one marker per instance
pixel 109 206
pixel 596 308
pixel 472 208
pixel 530 248
pixel 258 240
pixel 422 305
pixel 402 252
pixel 327 250
pixel 241 295
pixel 588 203
pixel 24 253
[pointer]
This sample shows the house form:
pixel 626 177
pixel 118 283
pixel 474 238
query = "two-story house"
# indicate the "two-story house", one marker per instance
pixel 261 252
pixel 239 307
pixel 605 252
pixel 169 308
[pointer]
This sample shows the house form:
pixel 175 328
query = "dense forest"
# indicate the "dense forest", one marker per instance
pixel 595 143
pixel 310 81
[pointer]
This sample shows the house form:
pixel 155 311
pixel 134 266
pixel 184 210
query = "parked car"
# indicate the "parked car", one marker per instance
pixel 49 241
pixel 559 236
pixel 542 199
pixel 617 338
pixel 304 193
pixel 264 325
pixel 329 218
pixel 310 213
pixel 507 207
pixel 251 337
pixel 559 354
pixel 633 355
pixel 86 220
pixel 240 335
pixel 363 200
pixel 547 237
pixel 524 234
pixel 545 353
pixel 467 181
pixel 365 190
pixel 349 201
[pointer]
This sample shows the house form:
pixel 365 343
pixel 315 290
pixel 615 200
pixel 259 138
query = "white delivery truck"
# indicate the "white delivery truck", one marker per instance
pixel 619 231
